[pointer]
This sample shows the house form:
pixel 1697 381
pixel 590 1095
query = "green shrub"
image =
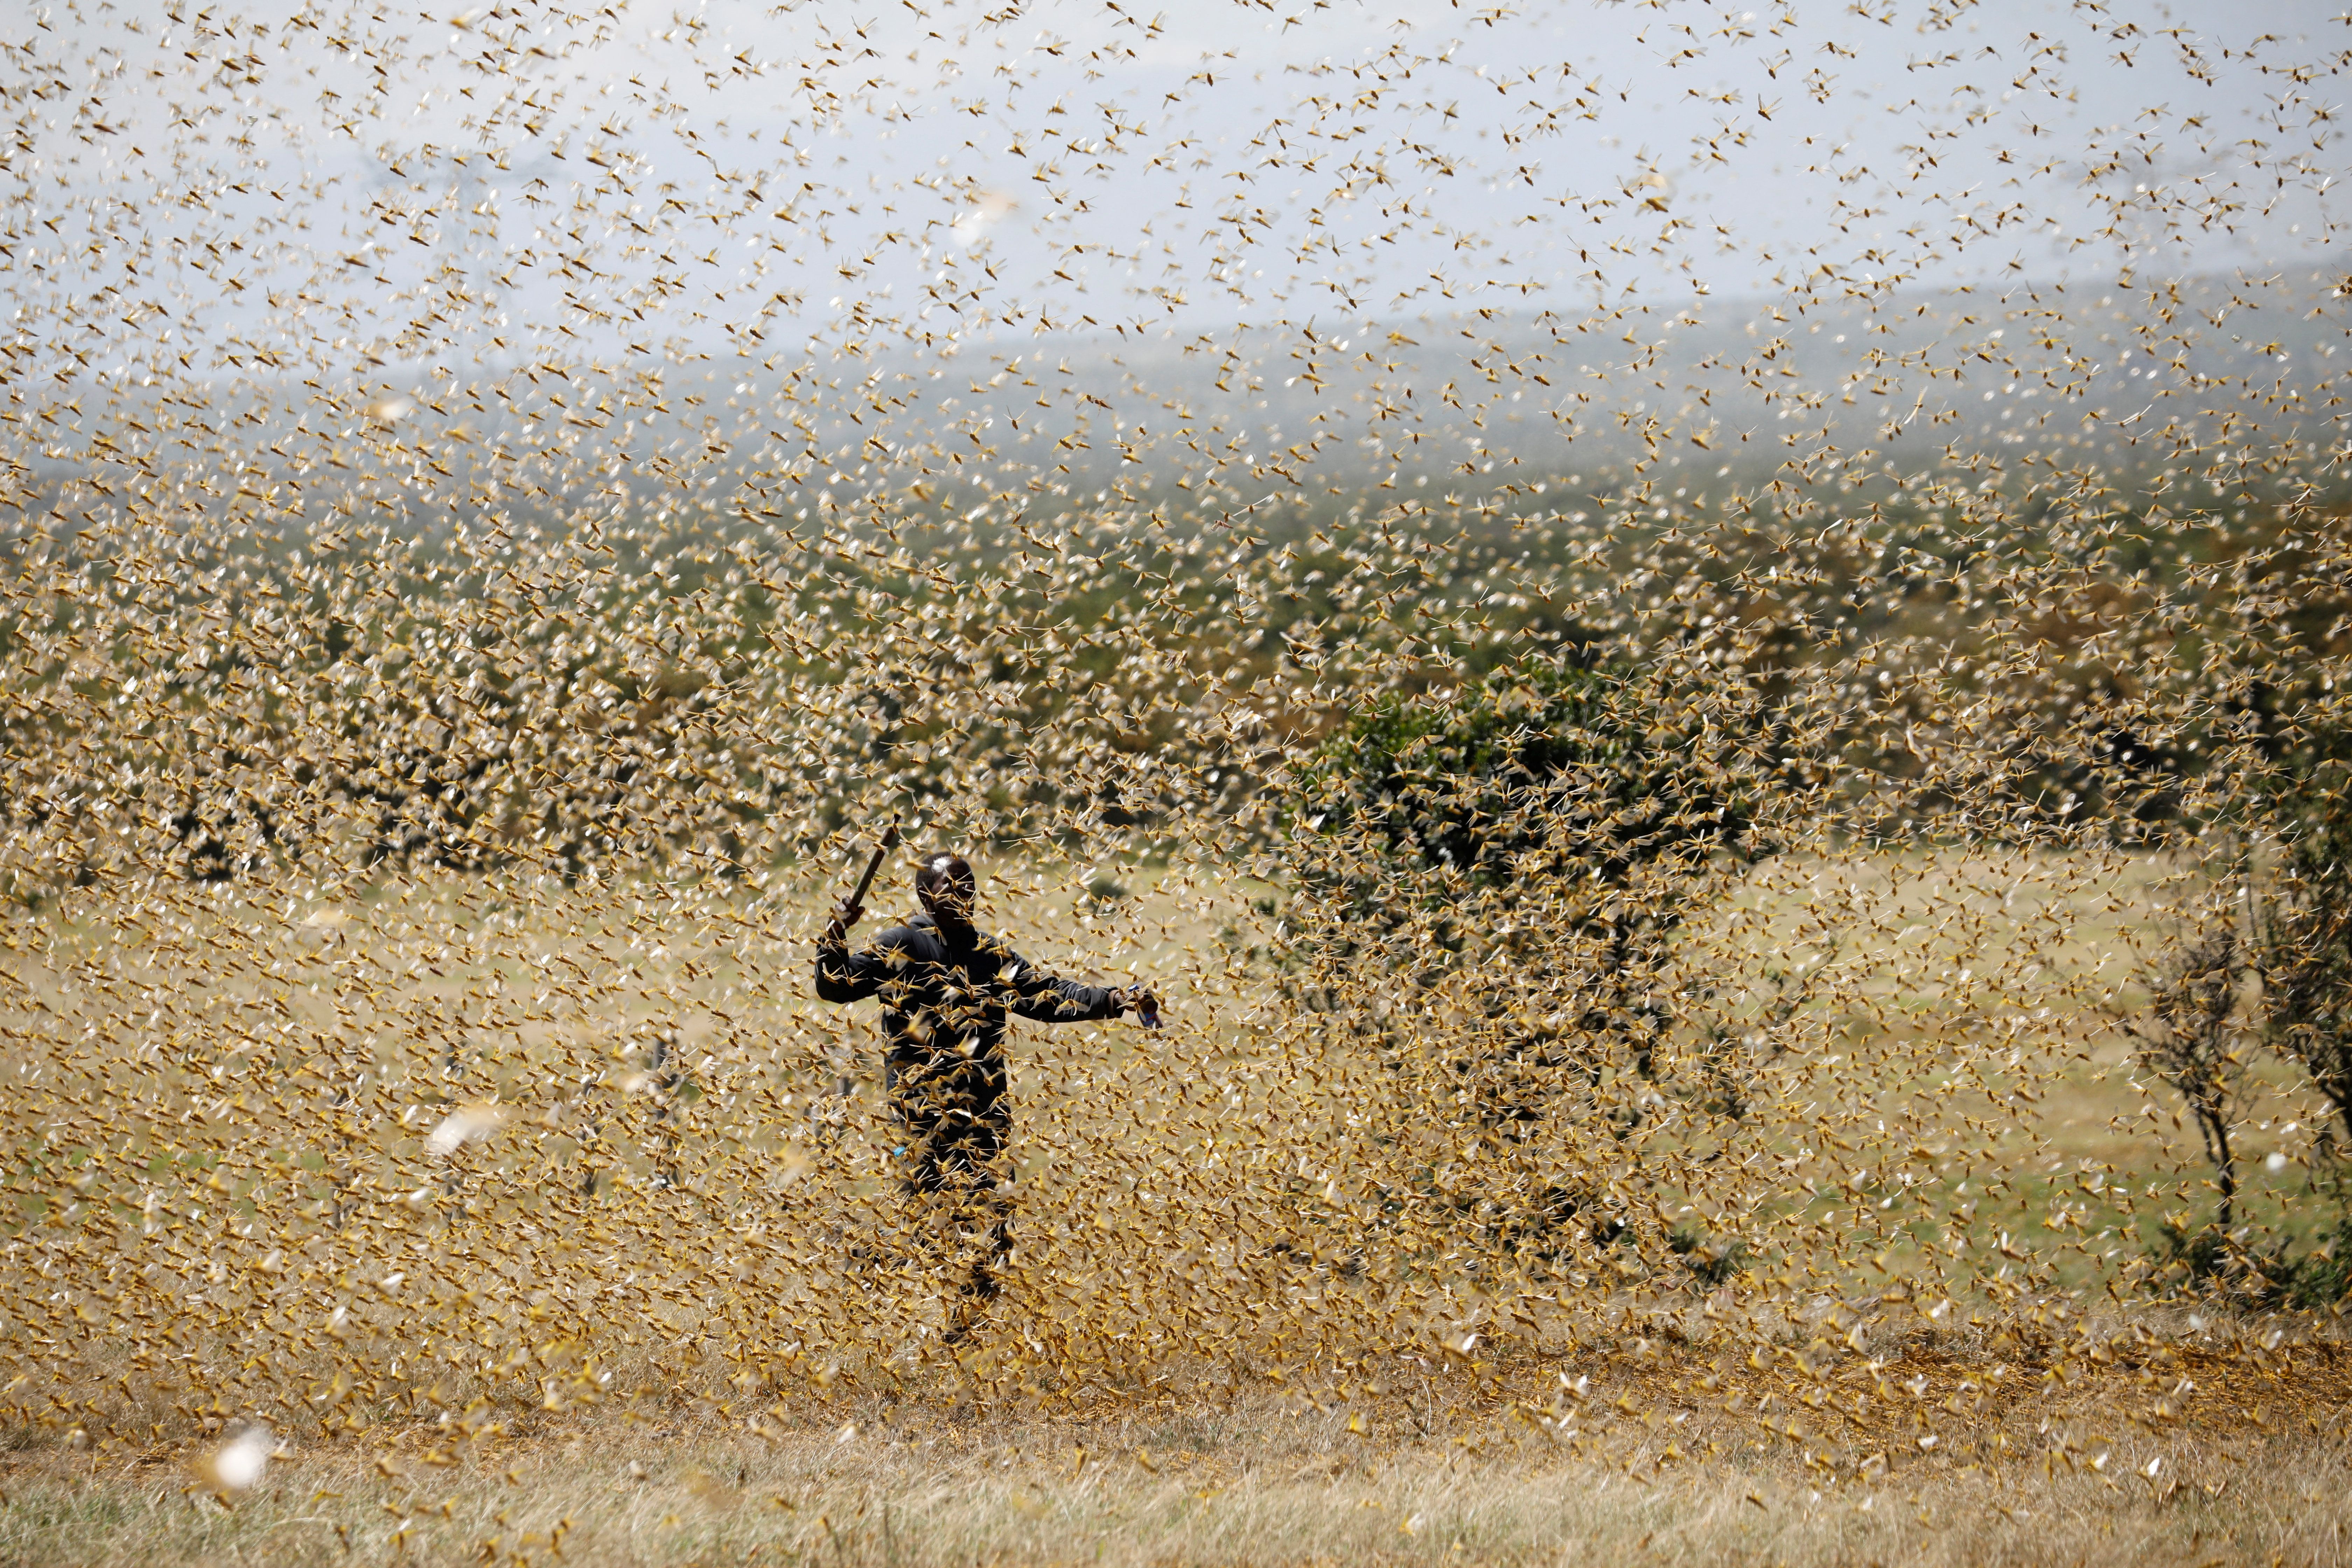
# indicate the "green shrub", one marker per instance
pixel 1513 857
pixel 1603 793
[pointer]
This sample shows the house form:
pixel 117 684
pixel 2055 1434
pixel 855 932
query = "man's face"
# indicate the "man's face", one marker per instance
pixel 948 887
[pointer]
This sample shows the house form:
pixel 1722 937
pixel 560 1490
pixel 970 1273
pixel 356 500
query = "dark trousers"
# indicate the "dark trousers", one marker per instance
pixel 957 1124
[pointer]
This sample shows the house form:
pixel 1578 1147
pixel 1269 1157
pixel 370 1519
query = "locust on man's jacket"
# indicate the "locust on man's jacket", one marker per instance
pixel 946 994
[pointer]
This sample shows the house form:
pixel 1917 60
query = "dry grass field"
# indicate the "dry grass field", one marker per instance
pixel 1778 1418
pixel 2119 1466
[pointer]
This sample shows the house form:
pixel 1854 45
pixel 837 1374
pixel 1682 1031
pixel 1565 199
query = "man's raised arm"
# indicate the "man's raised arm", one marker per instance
pixel 843 975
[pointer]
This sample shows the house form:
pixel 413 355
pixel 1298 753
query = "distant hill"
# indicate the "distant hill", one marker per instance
pixel 1842 378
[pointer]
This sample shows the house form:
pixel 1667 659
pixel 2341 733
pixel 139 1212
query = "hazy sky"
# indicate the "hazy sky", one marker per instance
pixel 405 182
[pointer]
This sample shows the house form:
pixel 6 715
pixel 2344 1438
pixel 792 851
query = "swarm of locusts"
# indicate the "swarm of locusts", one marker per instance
pixel 1697 655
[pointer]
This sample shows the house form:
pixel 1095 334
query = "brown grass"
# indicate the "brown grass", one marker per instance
pixel 1793 1416
pixel 2249 1464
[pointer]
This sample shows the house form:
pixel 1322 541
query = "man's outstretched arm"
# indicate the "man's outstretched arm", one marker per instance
pixel 1051 1000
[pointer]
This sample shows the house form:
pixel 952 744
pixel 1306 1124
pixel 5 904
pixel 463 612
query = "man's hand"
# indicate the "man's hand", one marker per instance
pixel 1139 1000
pixel 844 915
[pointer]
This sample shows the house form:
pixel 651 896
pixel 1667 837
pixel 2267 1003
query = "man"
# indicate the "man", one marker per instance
pixel 946 992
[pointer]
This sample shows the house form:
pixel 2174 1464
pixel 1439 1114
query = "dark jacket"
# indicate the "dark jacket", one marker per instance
pixel 945 997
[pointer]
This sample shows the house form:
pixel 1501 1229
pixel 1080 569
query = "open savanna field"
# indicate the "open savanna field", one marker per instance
pixel 657 1301
pixel 1656 701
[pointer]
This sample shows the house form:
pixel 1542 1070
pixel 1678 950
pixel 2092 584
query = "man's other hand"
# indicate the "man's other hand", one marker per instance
pixel 1139 1000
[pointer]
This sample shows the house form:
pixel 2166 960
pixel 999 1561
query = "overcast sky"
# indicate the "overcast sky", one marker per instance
pixel 413 183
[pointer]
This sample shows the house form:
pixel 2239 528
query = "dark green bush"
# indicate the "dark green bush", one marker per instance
pixel 1516 855
pixel 1603 792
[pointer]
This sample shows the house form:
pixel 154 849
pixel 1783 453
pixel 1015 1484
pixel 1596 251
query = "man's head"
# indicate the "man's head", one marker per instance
pixel 946 888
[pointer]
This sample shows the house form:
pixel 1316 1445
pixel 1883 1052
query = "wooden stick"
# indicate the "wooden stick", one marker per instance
pixel 841 1083
pixel 889 842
